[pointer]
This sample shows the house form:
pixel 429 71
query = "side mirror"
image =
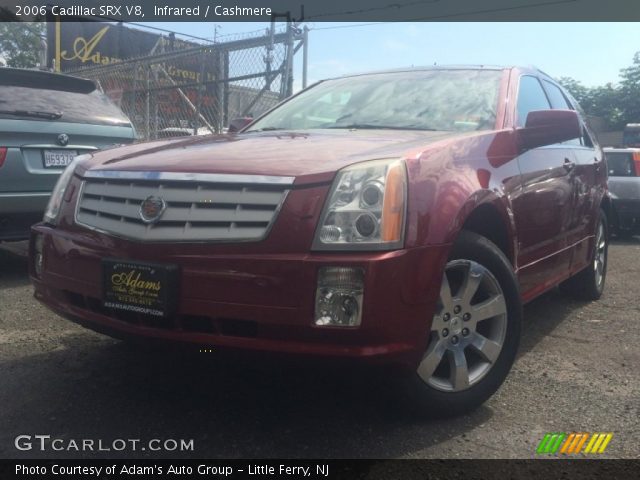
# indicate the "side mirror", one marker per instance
pixel 238 124
pixel 546 127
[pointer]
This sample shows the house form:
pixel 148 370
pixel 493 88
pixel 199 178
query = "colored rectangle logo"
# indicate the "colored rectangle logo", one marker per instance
pixel 574 443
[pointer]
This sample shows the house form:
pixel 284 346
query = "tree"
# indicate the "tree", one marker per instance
pixel 617 105
pixel 630 90
pixel 607 102
pixel 20 43
pixel 604 102
pixel 575 88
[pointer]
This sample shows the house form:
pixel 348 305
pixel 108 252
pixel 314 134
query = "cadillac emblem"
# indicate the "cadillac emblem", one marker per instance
pixel 63 139
pixel 151 209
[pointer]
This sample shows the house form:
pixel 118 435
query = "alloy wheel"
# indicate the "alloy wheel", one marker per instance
pixel 468 330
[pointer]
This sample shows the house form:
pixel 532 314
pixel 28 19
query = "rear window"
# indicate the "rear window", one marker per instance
pixel 93 108
pixel 631 137
pixel 620 164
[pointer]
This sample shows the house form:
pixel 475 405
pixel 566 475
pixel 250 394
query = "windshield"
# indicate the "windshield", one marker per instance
pixel 444 100
pixel 40 104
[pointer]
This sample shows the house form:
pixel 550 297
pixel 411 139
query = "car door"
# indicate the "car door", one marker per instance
pixel 590 176
pixel 543 206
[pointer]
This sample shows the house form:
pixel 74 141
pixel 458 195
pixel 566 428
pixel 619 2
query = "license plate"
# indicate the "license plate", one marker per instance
pixel 145 288
pixel 58 158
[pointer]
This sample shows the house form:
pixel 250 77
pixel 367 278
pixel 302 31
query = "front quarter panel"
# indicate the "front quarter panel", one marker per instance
pixel 448 182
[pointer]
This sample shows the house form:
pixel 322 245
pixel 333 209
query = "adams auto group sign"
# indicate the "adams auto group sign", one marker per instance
pixel 84 44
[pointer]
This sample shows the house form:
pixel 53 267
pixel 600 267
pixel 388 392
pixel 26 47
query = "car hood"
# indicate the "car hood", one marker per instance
pixel 310 156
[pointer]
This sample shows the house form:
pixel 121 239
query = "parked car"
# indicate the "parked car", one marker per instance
pixel 401 217
pixel 624 185
pixel 46 119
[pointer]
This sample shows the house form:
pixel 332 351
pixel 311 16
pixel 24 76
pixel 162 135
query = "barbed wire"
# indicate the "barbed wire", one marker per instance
pixel 227 37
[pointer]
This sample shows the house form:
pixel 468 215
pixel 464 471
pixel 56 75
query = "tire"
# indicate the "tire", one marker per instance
pixel 439 387
pixel 588 284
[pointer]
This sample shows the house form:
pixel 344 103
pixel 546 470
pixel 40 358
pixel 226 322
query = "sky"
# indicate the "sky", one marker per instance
pixel 592 53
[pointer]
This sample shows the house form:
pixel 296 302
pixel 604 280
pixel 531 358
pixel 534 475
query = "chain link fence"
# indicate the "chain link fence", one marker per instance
pixel 200 90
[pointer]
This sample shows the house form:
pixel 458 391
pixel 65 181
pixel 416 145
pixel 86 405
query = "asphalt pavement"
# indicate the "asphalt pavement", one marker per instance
pixel 578 370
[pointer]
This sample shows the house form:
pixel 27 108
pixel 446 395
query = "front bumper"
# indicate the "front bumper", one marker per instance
pixel 262 302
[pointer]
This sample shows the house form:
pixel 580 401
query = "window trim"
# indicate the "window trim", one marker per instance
pixel 564 96
pixel 515 106
pixel 586 131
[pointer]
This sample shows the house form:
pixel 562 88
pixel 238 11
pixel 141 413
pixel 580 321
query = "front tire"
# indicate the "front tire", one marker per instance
pixel 475 331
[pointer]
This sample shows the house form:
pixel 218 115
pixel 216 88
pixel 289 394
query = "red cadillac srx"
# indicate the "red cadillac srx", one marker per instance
pixel 403 217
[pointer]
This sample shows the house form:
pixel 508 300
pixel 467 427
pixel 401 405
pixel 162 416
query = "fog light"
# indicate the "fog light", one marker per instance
pixel 38 259
pixel 339 296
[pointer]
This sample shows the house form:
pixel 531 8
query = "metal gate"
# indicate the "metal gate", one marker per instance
pixel 200 90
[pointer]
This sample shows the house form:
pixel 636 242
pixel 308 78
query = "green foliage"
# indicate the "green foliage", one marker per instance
pixel 579 91
pixel 630 90
pixel 616 104
pixel 20 43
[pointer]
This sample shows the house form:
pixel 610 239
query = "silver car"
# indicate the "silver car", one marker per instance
pixel 46 119
pixel 624 186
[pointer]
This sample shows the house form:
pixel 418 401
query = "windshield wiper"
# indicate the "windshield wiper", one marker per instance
pixel 33 113
pixel 371 126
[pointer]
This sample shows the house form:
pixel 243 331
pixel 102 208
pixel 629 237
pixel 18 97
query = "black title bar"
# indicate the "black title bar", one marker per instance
pixel 318 469
pixel 322 11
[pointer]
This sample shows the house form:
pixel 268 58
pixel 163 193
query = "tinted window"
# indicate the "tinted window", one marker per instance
pixel 556 97
pixel 587 138
pixel 631 137
pixel 451 100
pixel 559 102
pixel 531 97
pixel 94 108
pixel 620 164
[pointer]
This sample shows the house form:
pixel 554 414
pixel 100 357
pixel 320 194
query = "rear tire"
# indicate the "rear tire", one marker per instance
pixel 475 331
pixel 588 284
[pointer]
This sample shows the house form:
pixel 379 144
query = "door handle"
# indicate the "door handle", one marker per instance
pixel 568 165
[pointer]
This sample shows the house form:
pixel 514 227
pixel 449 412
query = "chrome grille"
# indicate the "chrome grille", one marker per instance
pixel 198 207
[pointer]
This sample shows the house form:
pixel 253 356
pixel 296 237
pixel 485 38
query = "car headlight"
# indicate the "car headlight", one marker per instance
pixel 55 201
pixel 365 209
